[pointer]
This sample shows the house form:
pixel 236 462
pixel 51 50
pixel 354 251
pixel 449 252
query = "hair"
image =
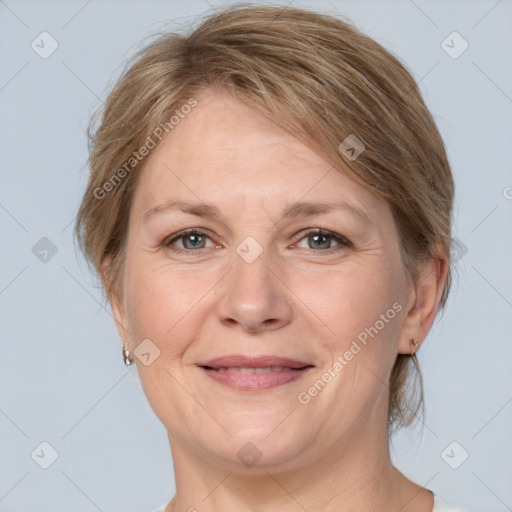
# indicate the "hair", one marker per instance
pixel 318 78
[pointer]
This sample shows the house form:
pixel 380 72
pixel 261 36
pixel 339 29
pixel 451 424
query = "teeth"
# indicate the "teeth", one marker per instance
pixel 267 369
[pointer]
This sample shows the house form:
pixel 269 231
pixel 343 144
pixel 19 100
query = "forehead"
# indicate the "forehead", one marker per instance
pixel 223 151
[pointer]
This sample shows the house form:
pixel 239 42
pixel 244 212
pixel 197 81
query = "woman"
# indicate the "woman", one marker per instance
pixel 269 209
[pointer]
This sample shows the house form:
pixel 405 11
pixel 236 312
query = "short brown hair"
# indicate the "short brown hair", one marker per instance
pixel 317 77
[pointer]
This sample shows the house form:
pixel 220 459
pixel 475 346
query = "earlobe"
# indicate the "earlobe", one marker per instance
pixel 423 304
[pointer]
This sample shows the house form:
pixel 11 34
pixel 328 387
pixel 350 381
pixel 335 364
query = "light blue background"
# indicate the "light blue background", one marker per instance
pixel 62 379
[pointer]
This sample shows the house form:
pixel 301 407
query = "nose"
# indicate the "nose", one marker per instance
pixel 254 297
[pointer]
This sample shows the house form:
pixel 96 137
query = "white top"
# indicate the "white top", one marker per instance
pixel 439 506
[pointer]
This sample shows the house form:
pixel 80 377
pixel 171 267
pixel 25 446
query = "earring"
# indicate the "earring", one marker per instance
pixel 126 355
pixel 416 346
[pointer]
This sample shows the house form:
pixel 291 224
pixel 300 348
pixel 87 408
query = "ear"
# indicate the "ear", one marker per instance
pixel 422 304
pixel 116 302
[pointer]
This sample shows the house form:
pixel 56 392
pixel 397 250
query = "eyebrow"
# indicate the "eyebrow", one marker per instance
pixel 304 209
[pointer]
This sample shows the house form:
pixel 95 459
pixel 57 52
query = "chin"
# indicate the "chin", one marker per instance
pixel 257 445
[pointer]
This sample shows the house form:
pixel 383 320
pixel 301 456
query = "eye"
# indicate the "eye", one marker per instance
pixel 321 239
pixel 194 239
pixel 191 239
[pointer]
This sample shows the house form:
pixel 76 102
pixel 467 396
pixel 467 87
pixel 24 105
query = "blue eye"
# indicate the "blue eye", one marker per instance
pixel 318 239
pixel 321 239
pixel 196 238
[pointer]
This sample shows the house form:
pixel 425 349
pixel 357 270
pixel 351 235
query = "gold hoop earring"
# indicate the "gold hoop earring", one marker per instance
pixel 416 347
pixel 126 355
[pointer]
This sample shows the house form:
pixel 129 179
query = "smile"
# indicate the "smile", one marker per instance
pixel 240 369
pixel 254 373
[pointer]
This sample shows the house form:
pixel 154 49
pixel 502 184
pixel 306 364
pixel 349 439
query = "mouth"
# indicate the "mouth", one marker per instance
pixel 254 373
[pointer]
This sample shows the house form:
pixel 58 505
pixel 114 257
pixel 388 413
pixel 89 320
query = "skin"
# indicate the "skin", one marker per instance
pixel 300 299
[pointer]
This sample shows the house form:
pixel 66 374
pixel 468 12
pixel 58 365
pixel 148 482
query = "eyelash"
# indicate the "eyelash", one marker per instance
pixel 342 241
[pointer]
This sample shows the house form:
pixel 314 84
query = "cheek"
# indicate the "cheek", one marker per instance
pixel 163 306
pixel 364 309
pixel 351 299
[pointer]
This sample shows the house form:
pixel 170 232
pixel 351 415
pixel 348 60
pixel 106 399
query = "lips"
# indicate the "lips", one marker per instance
pixel 237 361
pixel 254 373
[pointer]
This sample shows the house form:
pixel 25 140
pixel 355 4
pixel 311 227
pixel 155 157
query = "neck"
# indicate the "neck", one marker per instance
pixel 355 473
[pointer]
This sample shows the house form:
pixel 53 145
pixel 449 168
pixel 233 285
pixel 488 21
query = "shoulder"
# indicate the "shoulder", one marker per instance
pixel 442 506
pixel 160 509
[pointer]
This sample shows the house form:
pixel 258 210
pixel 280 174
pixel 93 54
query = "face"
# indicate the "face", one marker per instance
pixel 305 305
